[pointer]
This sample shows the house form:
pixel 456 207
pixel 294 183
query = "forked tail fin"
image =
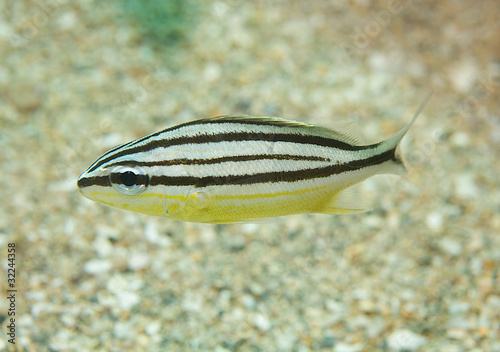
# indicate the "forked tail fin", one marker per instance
pixel 397 166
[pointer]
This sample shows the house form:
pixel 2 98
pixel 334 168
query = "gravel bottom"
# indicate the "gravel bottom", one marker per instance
pixel 420 272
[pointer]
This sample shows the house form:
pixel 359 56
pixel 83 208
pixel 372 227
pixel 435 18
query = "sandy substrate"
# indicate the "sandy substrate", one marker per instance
pixel 420 272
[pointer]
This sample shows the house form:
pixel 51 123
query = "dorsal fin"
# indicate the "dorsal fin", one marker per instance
pixel 344 131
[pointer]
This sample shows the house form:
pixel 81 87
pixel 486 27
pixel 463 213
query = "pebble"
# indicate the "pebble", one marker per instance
pixel 153 327
pixel 434 221
pixel 152 235
pixel 460 139
pixel 138 261
pixel 249 228
pixel 285 340
pixel 24 96
pixel 97 266
pixel 67 20
pixel 261 322
pixel 207 234
pixel 361 294
pixel 455 307
pixel 459 322
pixel 327 342
pixel 249 302
pixel 212 72
pixel 127 300
pixel 192 302
pixel 457 333
pixel 344 347
pixel 367 306
pixel 405 340
pixel 102 246
pixel 462 75
pixel 452 348
pixel 450 246
pixel 108 232
pixel 221 349
pixel 465 186
pixel 123 330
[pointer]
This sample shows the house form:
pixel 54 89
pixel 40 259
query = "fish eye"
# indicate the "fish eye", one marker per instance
pixel 129 180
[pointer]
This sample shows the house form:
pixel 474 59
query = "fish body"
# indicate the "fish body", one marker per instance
pixel 239 168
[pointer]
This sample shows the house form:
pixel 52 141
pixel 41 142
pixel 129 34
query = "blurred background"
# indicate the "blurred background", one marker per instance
pixel 420 272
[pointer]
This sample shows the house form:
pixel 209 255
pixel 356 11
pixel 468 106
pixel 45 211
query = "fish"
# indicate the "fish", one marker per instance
pixel 241 168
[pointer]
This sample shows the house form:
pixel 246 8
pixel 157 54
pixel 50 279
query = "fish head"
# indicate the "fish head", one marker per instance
pixel 125 186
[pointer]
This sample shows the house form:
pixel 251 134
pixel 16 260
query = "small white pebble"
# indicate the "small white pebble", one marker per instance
pixel 123 330
pixel 450 246
pixel 344 347
pixel 249 302
pixel 405 340
pixel 207 234
pixel 462 75
pixel 221 349
pixel 212 72
pixel 102 246
pixel 367 306
pixel 107 231
pixel 138 261
pixel 249 228
pixel 465 186
pixel 67 20
pixel 117 284
pixel 36 295
pixel 111 139
pixel 220 8
pixel 452 348
pixel 476 266
pixel 38 308
pixel 493 302
pixel 261 322
pixel 127 300
pixel 459 322
pixel 285 340
pixel 60 341
pixel 457 334
pixel 153 327
pixel 460 139
pixel 68 320
pixel 67 185
pixel 361 294
pixel 434 221
pixel 97 266
pixel 192 302
pixel 379 61
pixel 458 307
pixel 26 321
pixel 69 227
pixel 152 234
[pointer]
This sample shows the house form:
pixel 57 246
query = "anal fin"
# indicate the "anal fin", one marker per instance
pixel 349 200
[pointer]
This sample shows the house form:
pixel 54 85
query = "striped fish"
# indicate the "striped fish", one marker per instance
pixel 239 168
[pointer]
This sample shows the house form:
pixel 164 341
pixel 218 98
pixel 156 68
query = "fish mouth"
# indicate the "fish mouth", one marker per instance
pixel 81 183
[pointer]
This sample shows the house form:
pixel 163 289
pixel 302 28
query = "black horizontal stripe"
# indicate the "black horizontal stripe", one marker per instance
pixel 241 120
pixel 102 181
pixel 264 177
pixel 234 137
pixel 222 159
pixel 277 176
